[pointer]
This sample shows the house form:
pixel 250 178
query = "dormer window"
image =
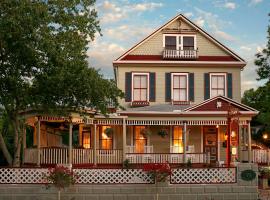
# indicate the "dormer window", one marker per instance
pixel 179 46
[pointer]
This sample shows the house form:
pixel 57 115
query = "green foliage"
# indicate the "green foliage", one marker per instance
pixel 248 175
pixel 264 172
pixel 263 60
pixel 43 60
pixel 126 164
pixel 163 133
pixel 189 163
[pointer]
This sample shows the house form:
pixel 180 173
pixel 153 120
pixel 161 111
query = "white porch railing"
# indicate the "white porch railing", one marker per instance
pixel 261 156
pixel 82 156
pixel 140 158
pixel 53 156
pixel 179 54
pixel 114 156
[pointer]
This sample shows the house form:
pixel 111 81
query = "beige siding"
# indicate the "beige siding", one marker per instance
pixel 222 131
pixel 198 77
pixel 154 46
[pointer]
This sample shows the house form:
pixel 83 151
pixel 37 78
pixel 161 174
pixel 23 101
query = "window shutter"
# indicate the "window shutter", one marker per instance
pixel 206 86
pixel 229 85
pixel 128 87
pixel 168 97
pixel 152 89
pixel 191 86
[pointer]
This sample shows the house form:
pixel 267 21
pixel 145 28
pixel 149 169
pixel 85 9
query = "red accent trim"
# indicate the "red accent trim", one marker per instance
pixel 159 57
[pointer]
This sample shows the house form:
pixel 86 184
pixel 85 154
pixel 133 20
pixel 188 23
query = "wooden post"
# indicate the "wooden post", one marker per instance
pixel 70 144
pixel 249 144
pixel 95 144
pixel 124 138
pixel 228 150
pixel 185 142
pixel 38 142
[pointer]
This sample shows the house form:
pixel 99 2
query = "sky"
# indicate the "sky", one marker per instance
pixel 239 24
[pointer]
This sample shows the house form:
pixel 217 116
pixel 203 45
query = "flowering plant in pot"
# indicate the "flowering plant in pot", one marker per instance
pixel 60 177
pixel 159 172
pixel 163 133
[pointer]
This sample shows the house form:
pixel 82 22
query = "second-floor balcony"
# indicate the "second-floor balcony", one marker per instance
pixel 180 54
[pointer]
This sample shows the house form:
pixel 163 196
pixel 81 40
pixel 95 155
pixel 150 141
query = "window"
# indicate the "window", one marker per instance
pixel 105 138
pixel 179 42
pixel 140 138
pixel 179 86
pixel 177 139
pixel 170 42
pixel 217 84
pixel 140 86
pixel 188 43
pixel 86 140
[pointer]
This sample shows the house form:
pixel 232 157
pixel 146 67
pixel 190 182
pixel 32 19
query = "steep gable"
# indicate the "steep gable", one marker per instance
pixel 152 46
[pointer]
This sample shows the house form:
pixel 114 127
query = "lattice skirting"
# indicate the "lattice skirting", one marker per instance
pixel 112 176
pixel 203 175
pixel 23 175
pixel 121 176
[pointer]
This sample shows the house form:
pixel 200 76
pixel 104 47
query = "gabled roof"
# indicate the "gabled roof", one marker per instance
pixel 200 30
pixel 211 105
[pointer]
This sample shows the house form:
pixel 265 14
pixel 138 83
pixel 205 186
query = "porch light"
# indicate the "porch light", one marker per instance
pixel 217 126
pixel 233 134
pixel 225 136
pixel 265 136
pixel 234 151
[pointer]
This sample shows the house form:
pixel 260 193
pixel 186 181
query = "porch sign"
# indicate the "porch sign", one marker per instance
pixel 233 115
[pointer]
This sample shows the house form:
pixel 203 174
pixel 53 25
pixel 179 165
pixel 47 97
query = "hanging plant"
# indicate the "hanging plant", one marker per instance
pixel 163 133
pixel 109 132
pixel 145 132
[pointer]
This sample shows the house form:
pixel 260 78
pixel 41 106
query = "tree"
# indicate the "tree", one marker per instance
pixel 263 60
pixel 43 65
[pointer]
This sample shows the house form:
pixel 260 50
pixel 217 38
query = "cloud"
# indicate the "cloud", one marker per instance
pixel 222 35
pixel 230 5
pixel 111 12
pixel 255 2
pixel 245 48
pixel 199 21
pixel 188 14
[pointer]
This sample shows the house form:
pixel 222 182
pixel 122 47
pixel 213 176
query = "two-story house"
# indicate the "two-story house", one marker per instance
pixel 182 102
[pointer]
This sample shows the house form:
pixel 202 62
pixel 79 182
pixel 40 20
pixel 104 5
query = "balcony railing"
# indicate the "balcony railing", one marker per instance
pixel 180 54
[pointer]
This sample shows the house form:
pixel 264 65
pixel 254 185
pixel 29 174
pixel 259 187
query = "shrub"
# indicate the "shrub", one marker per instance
pixel 159 172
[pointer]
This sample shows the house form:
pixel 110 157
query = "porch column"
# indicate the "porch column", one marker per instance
pixel 95 144
pixel 23 143
pixel 185 141
pixel 239 149
pixel 70 144
pixel 249 143
pixel 38 142
pixel 124 138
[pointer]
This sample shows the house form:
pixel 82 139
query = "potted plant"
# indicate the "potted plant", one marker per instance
pixel 264 174
pixel 60 177
pixel 109 131
pixel 163 133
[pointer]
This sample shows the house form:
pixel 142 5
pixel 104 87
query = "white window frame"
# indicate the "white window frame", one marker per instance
pixel 179 74
pixel 180 46
pixel 225 82
pixel 140 73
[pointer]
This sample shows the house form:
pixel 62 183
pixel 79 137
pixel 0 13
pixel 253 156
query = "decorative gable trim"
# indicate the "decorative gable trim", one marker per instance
pixel 233 54
pixel 244 108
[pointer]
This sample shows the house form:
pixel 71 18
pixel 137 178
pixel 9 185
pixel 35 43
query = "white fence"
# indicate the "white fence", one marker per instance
pixel 203 175
pixel 261 156
pixel 140 158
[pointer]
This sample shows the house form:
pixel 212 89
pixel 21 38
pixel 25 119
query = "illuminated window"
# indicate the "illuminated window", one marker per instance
pixel 105 138
pixel 86 140
pixel 177 139
pixel 140 139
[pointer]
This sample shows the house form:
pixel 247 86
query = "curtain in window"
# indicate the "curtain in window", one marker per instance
pixel 140 87
pixel 105 138
pixel 217 85
pixel 179 88
pixel 86 140
pixel 178 139
pixel 140 139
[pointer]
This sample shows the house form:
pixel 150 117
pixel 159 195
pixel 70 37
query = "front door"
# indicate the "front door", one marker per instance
pixel 210 142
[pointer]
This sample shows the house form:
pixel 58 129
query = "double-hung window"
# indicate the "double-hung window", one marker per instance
pixel 179 42
pixel 217 84
pixel 105 138
pixel 179 87
pixel 140 87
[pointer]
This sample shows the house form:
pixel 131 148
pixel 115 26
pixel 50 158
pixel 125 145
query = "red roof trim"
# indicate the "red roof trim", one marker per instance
pixel 159 57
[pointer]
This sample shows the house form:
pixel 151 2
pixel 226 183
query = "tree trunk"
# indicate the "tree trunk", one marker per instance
pixel 17 141
pixel 5 151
